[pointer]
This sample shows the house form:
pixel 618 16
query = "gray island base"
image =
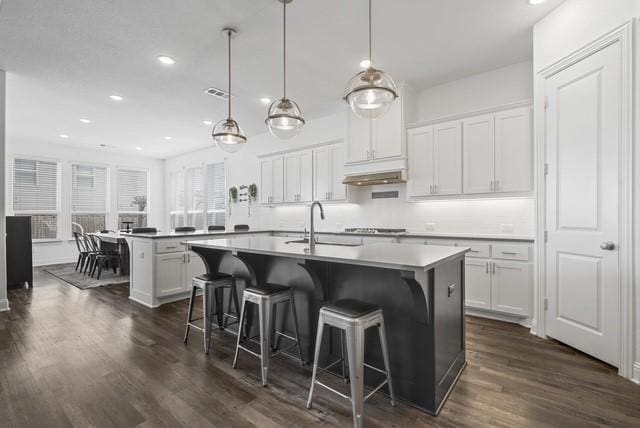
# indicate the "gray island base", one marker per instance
pixel 420 289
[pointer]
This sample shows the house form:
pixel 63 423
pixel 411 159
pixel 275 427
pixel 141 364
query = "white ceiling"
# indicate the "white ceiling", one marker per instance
pixel 65 58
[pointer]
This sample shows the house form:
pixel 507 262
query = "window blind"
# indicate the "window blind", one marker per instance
pixel 195 197
pixel 35 193
pixel 177 185
pixel 216 194
pixel 88 189
pixel 132 190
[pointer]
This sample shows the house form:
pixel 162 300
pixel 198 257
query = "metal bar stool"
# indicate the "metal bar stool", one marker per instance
pixel 211 284
pixel 266 297
pixel 353 317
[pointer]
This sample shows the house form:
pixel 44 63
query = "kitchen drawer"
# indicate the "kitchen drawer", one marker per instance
pixel 169 246
pixel 443 242
pixel 476 249
pixel 511 252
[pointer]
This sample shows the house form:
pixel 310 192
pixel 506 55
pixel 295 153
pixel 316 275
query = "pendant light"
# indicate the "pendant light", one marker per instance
pixel 371 92
pixel 284 118
pixel 227 134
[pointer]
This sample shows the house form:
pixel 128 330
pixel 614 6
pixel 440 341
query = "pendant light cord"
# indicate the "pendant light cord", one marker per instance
pixel 370 43
pixel 229 64
pixel 284 49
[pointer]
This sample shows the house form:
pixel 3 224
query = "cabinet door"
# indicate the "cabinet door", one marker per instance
pixel 321 173
pixel 305 176
pixel 386 135
pixel 421 165
pixel 477 149
pixel 511 287
pixel 338 191
pixel 278 180
pixel 477 286
pixel 513 151
pixel 195 266
pixel 266 191
pixel 447 155
pixel 170 274
pixel 358 138
pixel 291 177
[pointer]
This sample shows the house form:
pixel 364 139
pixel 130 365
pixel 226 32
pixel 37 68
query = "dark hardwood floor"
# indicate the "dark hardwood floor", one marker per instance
pixel 93 358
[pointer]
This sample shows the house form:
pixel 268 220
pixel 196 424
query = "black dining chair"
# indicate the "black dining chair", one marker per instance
pixel 216 228
pixel 240 227
pixel 144 230
pixel 104 259
pixel 83 252
pixel 185 229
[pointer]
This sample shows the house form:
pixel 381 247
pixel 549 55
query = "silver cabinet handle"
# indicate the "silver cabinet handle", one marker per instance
pixel 373 154
pixel 330 195
pixel 608 246
pixel 509 253
pixel 497 185
pixel 486 267
pixel 435 189
pixel 431 189
pixel 491 185
pixel 368 155
pixel 494 267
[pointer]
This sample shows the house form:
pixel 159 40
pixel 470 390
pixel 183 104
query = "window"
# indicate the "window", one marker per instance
pixel 35 193
pixel 198 197
pixel 176 186
pixel 133 188
pixel 195 197
pixel 216 194
pixel 88 197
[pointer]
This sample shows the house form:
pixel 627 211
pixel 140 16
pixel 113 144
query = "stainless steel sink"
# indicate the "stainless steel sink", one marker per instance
pixel 306 241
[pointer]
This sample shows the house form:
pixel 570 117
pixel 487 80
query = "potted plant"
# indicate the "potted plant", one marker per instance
pixel 233 194
pixel 253 192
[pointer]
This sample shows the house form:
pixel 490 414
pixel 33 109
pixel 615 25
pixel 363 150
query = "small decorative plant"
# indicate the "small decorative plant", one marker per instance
pixel 253 192
pixel 233 194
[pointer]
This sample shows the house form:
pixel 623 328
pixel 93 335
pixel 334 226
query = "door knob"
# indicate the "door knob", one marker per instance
pixel 608 246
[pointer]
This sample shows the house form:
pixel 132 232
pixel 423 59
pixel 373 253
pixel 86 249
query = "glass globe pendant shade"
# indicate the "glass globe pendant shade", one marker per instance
pixel 370 93
pixel 285 119
pixel 228 136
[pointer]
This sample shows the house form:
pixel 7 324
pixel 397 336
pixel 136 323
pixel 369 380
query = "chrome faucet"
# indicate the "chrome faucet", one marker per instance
pixel 312 232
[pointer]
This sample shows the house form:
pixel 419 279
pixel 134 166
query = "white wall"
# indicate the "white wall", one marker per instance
pixel 572 25
pixel 4 303
pixel 506 85
pixel 65 249
pixel 494 88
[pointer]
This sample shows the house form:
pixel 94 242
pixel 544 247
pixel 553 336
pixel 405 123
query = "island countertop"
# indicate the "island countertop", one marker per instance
pixel 384 255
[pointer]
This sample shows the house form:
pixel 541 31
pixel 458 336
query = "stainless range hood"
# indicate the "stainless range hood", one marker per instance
pixel 376 178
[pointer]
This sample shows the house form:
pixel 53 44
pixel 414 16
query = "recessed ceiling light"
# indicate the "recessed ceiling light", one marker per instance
pixel 64 136
pixel 116 97
pixel 83 120
pixel 534 2
pixel 207 122
pixel 168 138
pixel 166 60
pixel 138 148
pixel 265 100
pixel 365 63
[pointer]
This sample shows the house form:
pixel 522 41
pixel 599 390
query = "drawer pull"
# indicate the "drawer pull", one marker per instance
pixel 473 251
pixel 510 253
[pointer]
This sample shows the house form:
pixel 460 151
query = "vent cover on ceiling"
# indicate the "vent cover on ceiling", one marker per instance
pixel 218 93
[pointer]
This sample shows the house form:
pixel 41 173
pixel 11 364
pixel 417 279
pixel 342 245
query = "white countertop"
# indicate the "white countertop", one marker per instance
pixel 384 255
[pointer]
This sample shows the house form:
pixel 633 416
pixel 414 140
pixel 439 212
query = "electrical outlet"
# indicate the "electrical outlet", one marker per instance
pixel 430 227
pixel 506 228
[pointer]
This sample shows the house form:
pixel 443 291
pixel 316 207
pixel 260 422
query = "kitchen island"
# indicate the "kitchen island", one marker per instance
pixel 420 289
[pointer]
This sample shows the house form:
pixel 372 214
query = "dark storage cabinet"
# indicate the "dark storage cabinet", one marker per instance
pixel 19 254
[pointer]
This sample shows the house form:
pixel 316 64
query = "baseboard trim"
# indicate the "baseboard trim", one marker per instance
pixel 525 322
pixel 636 372
pixel 4 305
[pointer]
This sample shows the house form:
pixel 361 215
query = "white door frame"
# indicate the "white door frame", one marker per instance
pixel 624 36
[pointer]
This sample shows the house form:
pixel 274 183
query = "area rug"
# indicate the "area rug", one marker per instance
pixel 67 273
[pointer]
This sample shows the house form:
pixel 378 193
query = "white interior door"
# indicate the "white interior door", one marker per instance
pixel 583 131
pixel 513 151
pixel 477 149
pixel 420 152
pixel 447 148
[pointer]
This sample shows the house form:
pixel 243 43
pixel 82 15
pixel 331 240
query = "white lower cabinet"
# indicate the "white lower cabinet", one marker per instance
pixel 170 273
pixel 477 283
pixel 174 272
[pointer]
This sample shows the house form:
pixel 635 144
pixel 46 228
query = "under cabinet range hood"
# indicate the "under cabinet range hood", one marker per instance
pixel 375 178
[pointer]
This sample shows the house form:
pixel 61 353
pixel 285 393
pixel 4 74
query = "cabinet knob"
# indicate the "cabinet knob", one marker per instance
pixel 608 246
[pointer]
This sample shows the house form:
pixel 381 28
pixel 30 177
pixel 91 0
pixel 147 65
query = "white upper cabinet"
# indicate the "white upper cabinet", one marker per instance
pixel 272 180
pixel 328 173
pixel 498 152
pixel 447 155
pixel 477 147
pixel 386 134
pixel 421 166
pixel 359 138
pixel 435 162
pixel 298 176
pixel 513 151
